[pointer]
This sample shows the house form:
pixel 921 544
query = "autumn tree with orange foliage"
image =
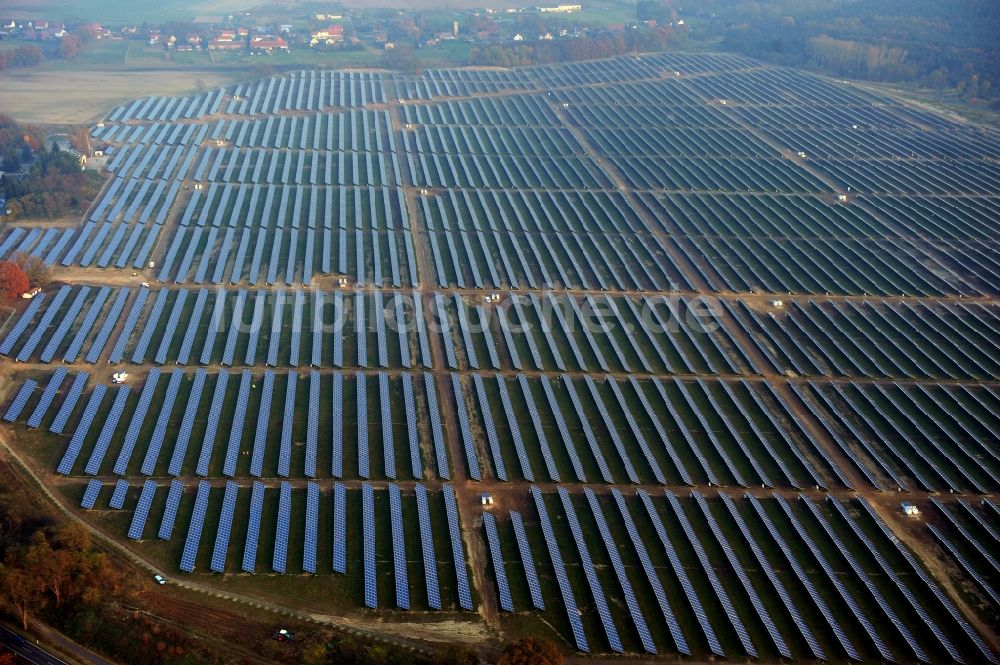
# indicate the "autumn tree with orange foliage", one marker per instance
pixel 52 567
pixel 13 281
pixel 530 651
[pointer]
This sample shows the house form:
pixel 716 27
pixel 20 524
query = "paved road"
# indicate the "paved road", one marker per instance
pixel 27 650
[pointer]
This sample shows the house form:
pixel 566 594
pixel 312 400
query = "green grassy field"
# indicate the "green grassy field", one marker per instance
pixel 122 11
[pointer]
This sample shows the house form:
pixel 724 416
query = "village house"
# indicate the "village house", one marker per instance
pixel 226 40
pixel 268 44
pixel 329 35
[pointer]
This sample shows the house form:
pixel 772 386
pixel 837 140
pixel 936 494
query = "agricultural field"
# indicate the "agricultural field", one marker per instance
pixel 642 355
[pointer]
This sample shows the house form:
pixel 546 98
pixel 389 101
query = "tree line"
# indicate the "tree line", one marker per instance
pixel 950 47
pixel 27 55
pixel 53 185
pixel 589 47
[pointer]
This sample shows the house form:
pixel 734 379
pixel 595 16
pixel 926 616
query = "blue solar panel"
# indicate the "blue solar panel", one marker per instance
pixel 76 442
pixel 457 552
pixel 45 401
pixel 91 493
pixel 340 322
pixel 117 501
pixel 339 528
pixel 150 326
pixel 515 429
pixel 170 509
pixel 835 580
pixel 337 427
pixel 368 530
pixel 581 415
pixel 398 547
pixel 312 425
pixel 42 327
pixel 187 425
pixel 311 528
pixel 277 314
pixel 596 591
pixel 296 339
pixel 536 420
pixel 20 400
pixel 282 527
pixel 361 329
pixel 76 344
pixel 613 431
pixel 138 419
pixel 253 527
pixel 727 605
pixel 235 328
pixel 173 324
pixel 317 329
pixel 496 555
pixel 463 328
pixel 162 422
pixel 427 549
pixel 489 427
pixel 862 575
pixel 193 327
pixel 118 351
pixel 416 466
pixel 569 601
pixel 285 449
pixel 445 327
pixel 193 539
pixel 689 591
pixel 260 434
pixel 361 386
pixel 437 430
pixel 803 578
pixel 527 561
pixel 637 434
pixel 108 430
pixel 616 563
pixel 110 321
pixel 931 584
pixel 385 409
pixel 797 618
pixel 661 432
pixel 256 322
pixel 22 324
pixel 55 338
pixel 380 335
pixel 142 510
pixel 425 347
pixel 236 429
pixel 400 322
pixel 218 564
pixel 215 322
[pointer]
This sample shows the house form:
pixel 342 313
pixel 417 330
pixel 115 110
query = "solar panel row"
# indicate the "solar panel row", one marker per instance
pixel 170 509
pixel 218 564
pixel 282 527
pixel 398 547
pixel 253 527
pixel 90 494
pixel 427 548
pixel 339 528
pixel 193 539
pixel 142 510
pixel 555 556
pixel 108 430
pixel 309 546
pixel 368 545
pixel 82 427
pixel 496 556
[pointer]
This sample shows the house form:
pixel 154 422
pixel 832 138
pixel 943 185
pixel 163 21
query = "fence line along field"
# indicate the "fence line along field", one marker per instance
pixel 644 355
